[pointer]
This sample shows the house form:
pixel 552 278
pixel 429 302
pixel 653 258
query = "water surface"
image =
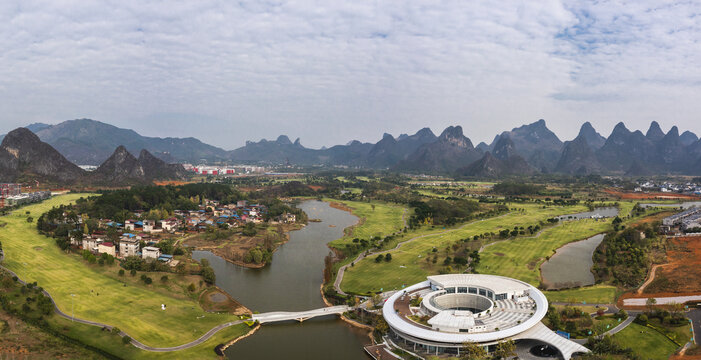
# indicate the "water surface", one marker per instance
pixel 604 212
pixel 292 283
pixel 571 264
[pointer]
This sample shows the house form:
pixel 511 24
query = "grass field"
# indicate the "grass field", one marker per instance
pixel 521 258
pixel 597 294
pixel 382 220
pixel 134 309
pixel 408 263
pixel 645 342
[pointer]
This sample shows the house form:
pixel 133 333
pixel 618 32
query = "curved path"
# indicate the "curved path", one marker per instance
pixel 650 278
pixel 267 317
pixel 342 269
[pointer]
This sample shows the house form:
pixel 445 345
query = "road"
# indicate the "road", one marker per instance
pixel 661 300
pixel 695 317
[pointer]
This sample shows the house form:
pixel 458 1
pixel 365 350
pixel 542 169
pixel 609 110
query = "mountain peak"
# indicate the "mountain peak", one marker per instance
pixel 425 132
pixel 284 140
pixel 589 134
pixel 453 135
pixel 688 138
pixel 654 133
pixel 504 148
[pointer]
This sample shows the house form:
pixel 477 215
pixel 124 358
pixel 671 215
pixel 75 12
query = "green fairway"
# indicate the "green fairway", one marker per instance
pixel 645 342
pixel 520 258
pixel 97 297
pixel 597 294
pixel 381 220
pixel 408 263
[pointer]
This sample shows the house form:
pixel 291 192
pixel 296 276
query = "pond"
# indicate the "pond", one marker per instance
pixel 571 264
pixel 292 283
pixel 604 212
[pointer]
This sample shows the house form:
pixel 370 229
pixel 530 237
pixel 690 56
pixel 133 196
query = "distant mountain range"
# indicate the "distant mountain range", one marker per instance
pixel 24 157
pixel 527 149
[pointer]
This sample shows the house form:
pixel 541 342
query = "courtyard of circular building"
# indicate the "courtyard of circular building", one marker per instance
pixel 443 313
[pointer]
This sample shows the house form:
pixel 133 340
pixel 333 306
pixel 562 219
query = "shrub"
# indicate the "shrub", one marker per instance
pixel 126 340
pixel 148 281
pixel 191 288
pixel 132 272
pixel 121 272
pixel 164 278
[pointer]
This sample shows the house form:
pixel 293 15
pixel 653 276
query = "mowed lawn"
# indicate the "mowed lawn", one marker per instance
pixel 645 342
pixel 383 220
pixel 135 310
pixel 520 258
pixel 409 264
pixel 597 294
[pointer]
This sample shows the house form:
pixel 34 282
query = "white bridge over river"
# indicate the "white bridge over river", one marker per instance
pixel 299 316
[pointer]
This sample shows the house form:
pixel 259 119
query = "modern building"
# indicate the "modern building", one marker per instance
pixel 470 308
pixel 106 248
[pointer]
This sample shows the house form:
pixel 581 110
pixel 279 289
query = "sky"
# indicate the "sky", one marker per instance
pixel 333 71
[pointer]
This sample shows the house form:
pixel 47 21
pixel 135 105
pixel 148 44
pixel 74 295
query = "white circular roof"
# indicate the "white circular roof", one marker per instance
pixel 498 284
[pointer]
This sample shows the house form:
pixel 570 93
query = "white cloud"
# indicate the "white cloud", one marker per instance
pixel 330 71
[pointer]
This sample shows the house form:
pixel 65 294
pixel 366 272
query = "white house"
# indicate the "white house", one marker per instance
pixel 149 225
pixel 106 248
pixel 129 246
pixel 150 252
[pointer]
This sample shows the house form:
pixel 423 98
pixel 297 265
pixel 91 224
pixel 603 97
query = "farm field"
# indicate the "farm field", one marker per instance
pixel 134 309
pixel 645 342
pixel 520 258
pixel 408 263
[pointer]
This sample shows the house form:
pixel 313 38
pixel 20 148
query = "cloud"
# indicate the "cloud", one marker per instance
pixel 331 71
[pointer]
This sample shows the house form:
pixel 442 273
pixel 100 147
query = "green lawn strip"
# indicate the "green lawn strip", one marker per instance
pixel 100 298
pixel 520 258
pixel 112 343
pixel 408 263
pixel 645 342
pixel 597 294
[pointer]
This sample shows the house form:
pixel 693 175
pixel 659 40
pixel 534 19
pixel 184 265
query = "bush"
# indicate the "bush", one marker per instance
pixel 191 288
pixel 642 319
pixel 148 281
pixel 132 272
pixel 126 340
pixel 164 278
pixel 121 272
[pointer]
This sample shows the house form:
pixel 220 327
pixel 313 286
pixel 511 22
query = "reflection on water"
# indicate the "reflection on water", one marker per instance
pixel 292 283
pixel 597 213
pixel 571 264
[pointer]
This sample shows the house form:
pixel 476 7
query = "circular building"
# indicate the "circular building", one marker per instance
pixel 444 312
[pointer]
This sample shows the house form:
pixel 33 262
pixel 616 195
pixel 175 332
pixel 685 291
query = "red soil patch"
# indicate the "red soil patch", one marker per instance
pixel 315 187
pixel 172 182
pixel 650 196
pixel 681 276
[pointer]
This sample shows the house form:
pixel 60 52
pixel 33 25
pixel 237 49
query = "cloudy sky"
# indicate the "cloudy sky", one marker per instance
pixel 332 71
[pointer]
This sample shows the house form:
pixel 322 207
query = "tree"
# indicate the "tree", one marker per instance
pixel 473 351
pixel 388 257
pixel 379 258
pixel 650 302
pixel 505 349
pixel 30 219
pixel 191 287
pixel 121 272
pixel 126 340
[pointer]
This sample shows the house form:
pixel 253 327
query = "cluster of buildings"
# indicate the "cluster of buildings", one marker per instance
pixel 670 187
pixel 129 245
pixel 685 220
pixel 224 170
pixel 12 195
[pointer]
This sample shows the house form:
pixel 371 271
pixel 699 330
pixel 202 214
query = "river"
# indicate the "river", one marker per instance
pixel 571 264
pixel 292 283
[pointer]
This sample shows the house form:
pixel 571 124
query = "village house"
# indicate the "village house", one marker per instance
pixel 129 246
pixel 90 241
pixel 148 225
pixel 106 248
pixel 150 252
pixel 171 224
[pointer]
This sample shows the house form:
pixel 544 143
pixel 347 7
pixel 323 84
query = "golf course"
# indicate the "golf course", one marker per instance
pixel 81 290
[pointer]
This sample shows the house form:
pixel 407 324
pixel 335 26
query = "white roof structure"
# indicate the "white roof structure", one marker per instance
pixel 513 310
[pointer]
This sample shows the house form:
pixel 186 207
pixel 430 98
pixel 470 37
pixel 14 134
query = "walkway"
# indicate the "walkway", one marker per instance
pixel 342 269
pixel 301 315
pixel 265 317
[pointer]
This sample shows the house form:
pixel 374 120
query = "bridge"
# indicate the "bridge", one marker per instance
pixel 299 316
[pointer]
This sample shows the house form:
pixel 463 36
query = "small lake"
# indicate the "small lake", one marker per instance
pixel 571 264
pixel 292 283
pixel 604 212
pixel 684 205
